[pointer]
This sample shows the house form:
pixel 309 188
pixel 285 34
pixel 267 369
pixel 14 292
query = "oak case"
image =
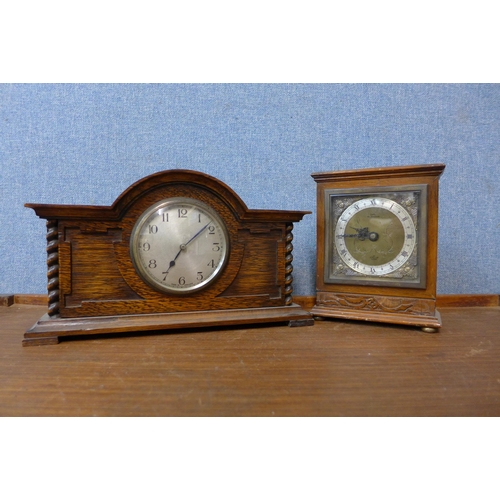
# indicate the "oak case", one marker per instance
pixel 391 299
pixel 94 287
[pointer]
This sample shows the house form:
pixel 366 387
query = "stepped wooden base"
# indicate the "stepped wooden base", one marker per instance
pixel 428 324
pixel 398 310
pixel 49 330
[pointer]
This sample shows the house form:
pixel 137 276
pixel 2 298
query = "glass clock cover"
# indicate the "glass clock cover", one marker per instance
pixel 179 245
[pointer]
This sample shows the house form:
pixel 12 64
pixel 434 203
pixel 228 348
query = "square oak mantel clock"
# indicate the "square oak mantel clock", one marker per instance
pixel 377 234
pixel 177 249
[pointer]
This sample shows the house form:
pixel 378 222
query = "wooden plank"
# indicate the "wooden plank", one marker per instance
pixel 31 299
pixel 308 301
pixel 468 300
pixel 334 368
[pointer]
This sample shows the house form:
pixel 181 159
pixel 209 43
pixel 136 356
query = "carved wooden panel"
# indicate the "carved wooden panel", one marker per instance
pixel 385 304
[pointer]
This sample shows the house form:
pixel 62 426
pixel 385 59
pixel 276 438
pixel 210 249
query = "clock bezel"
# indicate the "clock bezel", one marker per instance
pixel 393 280
pixel 136 231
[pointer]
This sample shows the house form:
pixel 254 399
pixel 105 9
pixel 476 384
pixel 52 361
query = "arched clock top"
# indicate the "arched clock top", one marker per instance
pixel 178 177
pixel 155 182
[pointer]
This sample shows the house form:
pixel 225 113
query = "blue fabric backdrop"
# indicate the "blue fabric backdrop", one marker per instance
pixel 84 144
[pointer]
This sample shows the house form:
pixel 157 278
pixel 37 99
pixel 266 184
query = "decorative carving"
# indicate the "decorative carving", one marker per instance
pixel 396 305
pixel 52 267
pixel 288 264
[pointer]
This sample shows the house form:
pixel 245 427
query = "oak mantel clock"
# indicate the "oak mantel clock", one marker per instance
pixel 377 234
pixel 177 249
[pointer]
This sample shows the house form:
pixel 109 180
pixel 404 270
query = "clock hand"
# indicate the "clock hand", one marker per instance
pixel 197 234
pixel 172 262
pixel 183 247
pixel 361 234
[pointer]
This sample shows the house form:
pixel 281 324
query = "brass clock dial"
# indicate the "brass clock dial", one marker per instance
pixel 179 245
pixel 374 236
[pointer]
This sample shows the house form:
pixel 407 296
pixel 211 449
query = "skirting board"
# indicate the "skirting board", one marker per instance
pixel 306 302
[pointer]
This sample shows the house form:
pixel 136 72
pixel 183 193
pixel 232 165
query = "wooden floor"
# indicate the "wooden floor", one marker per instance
pixel 334 368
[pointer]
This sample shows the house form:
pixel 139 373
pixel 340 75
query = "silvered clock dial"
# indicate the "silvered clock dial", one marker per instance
pixel 179 245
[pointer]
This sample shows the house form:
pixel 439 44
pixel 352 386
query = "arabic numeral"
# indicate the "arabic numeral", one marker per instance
pixel 152 264
pixel 153 229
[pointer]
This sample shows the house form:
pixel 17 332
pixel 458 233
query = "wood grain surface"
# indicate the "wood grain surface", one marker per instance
pixel 91 271
pixel 305 301
pixel 334 368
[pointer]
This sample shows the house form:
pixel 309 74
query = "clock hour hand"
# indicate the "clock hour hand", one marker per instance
pixel 172 262
pixel 362 234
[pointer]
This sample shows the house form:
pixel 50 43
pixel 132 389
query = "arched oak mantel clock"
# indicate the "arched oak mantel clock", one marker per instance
pixel 177 249
pixel 377 232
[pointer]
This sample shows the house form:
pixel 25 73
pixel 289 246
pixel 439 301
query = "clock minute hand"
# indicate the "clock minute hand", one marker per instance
pixel 182 248
pixel 195 236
